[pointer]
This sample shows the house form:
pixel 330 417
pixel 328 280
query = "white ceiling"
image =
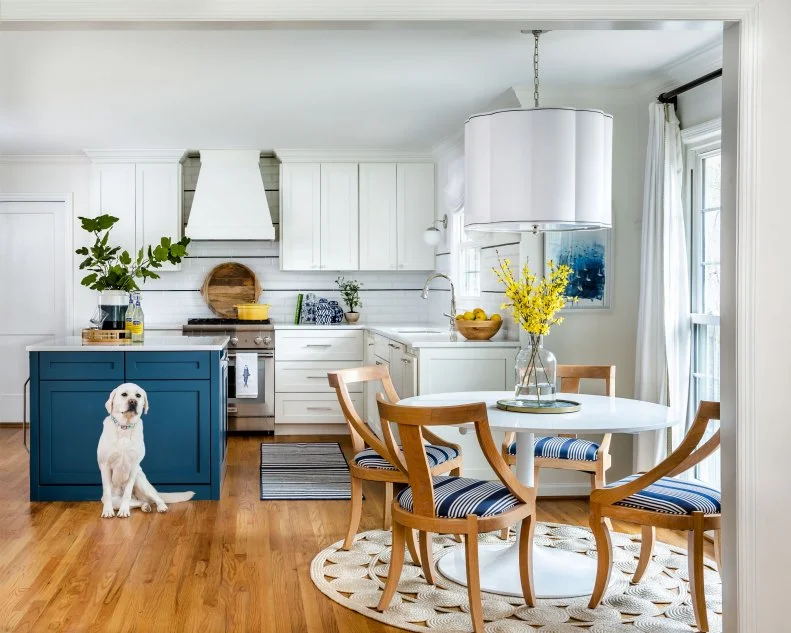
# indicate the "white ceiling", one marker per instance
pixel 62 91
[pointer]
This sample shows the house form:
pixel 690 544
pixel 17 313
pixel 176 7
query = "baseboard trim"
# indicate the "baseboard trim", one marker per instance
pixel 11 425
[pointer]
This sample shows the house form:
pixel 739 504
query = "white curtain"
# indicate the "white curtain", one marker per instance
pixel 663 334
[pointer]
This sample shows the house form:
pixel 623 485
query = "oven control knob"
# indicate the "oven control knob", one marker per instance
pixel 267 340
pixel 258 340
pixel 234 340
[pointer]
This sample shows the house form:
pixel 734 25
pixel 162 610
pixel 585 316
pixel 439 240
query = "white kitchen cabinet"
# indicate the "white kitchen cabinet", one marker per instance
pixel 378 221
pixel 339 217
pixel 144 193
pixel 396 206
pixel 300 216
pixel 415 203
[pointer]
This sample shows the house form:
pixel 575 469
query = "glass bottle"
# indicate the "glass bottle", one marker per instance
pixel 536 373
pixel 129 316
pixel 138 322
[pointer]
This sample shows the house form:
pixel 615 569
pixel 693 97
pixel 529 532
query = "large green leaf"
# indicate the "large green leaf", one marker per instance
pixel 88 279
pixel 125 258
pixel 106 221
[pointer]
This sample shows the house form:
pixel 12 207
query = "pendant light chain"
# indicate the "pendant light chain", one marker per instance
pixel 536 35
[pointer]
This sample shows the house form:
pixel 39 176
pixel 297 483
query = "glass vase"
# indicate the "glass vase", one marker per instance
pixel 114 303
pixel 536 372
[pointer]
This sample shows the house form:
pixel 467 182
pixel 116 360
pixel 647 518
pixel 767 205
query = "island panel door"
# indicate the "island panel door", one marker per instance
pixel 177 431
pixel 71 415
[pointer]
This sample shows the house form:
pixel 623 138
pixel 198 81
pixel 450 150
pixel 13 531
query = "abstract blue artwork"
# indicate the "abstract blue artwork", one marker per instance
pixel 588 255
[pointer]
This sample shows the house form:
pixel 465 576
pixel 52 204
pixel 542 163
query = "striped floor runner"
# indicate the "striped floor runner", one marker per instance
pixel 304 471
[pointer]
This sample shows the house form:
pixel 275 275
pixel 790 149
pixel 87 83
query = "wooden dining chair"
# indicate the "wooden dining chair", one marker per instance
pixel 656 499
pixel 373 460
pixel 568 452
pixel 453 505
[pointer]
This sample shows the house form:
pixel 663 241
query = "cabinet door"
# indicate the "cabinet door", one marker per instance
pixel 339 216
pixel 177 431
pixel 415 212
pixel 113 191
pixel 158 200
pixel 300 216
pixel 396 358
pixel 369 358
pixel 408 375
pixel 378 226
pixel 71 414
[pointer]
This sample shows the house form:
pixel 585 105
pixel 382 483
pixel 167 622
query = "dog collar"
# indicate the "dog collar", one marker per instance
pixel 123 427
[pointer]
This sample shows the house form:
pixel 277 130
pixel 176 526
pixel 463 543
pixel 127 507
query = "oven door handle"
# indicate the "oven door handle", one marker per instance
pixel 232 356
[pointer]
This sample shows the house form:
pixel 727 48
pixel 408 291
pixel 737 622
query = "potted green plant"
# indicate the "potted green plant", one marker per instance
pixel 114 273
pixel 350 292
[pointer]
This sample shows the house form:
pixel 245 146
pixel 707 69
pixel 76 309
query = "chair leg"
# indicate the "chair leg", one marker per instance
pixel 355 513
pixel 695 558
pixel 396 566
pixel 526 559
pixel 427 557
pixel 718 550
pixel 411 543
pixel 598 480
pixel 604 558
pixel 473 573
pixel 504 533
pixel 646 550
pixel 388 516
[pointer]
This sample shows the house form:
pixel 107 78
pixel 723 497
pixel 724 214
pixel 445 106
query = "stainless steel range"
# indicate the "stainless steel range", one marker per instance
pixel 246 414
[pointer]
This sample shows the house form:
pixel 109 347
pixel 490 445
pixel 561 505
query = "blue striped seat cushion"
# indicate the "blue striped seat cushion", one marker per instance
pixel 369 458
pixel 457 497
pixel 672 496
pixel 563 448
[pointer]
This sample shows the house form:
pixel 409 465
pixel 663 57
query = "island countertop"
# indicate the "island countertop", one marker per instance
pixel 152 343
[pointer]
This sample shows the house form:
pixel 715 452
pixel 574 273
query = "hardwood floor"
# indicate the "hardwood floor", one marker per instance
pixel 239 565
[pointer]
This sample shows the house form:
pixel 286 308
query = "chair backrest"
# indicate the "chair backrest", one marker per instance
pixel 411 459
pixel 688 454
pixel 360 432
pixel 570 376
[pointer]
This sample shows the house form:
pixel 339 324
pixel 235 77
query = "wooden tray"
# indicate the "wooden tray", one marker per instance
pixel 106 337
pixel 228 285
pixel 558 406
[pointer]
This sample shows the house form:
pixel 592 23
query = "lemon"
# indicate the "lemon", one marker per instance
pixel 481 316
pixel 496 317
pixel 459 317
pixel 469 316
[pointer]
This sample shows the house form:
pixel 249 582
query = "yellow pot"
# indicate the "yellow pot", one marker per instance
pixel 252 311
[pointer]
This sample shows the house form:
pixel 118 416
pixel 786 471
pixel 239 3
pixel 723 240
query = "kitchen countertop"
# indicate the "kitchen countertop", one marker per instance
pixel 412 335
pixel 152 343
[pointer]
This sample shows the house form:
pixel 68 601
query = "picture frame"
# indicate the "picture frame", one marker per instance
pixel 589 254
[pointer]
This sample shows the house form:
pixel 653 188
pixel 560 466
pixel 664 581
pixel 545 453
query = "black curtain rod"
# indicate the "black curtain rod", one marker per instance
pixel 671 96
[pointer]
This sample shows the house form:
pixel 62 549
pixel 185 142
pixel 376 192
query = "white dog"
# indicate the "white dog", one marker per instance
pixel 120 451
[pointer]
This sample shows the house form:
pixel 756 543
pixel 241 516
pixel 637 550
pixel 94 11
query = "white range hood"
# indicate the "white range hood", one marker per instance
pixel 230 201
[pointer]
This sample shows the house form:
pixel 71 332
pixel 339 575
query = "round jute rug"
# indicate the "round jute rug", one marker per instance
pixel 659 604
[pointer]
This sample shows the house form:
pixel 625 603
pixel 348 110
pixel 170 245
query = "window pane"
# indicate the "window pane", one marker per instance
pixel 711 289
pixel 711 236
pixel 706 386
pixel 470 260
pixel 711 181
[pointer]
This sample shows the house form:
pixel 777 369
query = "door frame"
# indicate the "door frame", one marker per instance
pixel 67 200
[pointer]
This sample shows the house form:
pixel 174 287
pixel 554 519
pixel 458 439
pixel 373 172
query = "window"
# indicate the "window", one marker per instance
pixel 468 261
pixel 703 167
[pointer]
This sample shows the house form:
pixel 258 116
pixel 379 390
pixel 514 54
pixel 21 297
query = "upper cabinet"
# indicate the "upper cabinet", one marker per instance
pixel 350 216
pixel 143 192
pixel 396 206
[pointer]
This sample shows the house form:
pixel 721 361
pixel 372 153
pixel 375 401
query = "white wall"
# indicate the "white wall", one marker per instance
pixel 700 104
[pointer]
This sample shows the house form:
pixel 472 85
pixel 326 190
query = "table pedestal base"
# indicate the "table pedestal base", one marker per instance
pixel 556 573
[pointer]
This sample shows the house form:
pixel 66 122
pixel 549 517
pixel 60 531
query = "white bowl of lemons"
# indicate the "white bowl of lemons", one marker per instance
pixel 475 325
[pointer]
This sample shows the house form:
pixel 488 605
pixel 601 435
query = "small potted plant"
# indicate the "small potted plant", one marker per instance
pixel 350 291
pixel 114 273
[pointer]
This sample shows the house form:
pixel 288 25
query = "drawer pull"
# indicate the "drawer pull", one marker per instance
pixel 317 345
pixel 393 345
pixel 316 377
pixel 319 408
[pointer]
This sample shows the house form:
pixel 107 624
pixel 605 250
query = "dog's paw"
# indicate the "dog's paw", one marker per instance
pixel 124 511
pixel 108 512
pixel 161 507
pixel 145 507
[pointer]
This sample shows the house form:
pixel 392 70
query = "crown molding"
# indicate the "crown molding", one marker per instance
pixel 43 158
pixel 135 155
pixel 352 155
pixel 683 71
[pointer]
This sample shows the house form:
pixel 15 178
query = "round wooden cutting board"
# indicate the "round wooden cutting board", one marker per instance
pixel 228 285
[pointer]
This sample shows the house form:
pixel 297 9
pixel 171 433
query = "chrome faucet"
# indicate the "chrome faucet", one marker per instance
pixel 452 315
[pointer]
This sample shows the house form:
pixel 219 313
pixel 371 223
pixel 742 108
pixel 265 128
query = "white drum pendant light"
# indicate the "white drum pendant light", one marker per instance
pixel 538 169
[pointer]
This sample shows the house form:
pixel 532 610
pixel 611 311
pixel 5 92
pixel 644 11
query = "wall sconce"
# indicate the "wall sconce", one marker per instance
pixel 432 235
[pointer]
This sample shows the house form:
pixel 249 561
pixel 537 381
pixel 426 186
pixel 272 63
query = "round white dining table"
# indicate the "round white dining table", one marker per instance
pixel 556 573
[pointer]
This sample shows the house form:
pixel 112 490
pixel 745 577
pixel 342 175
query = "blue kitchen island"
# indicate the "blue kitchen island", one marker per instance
pixel 184 430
